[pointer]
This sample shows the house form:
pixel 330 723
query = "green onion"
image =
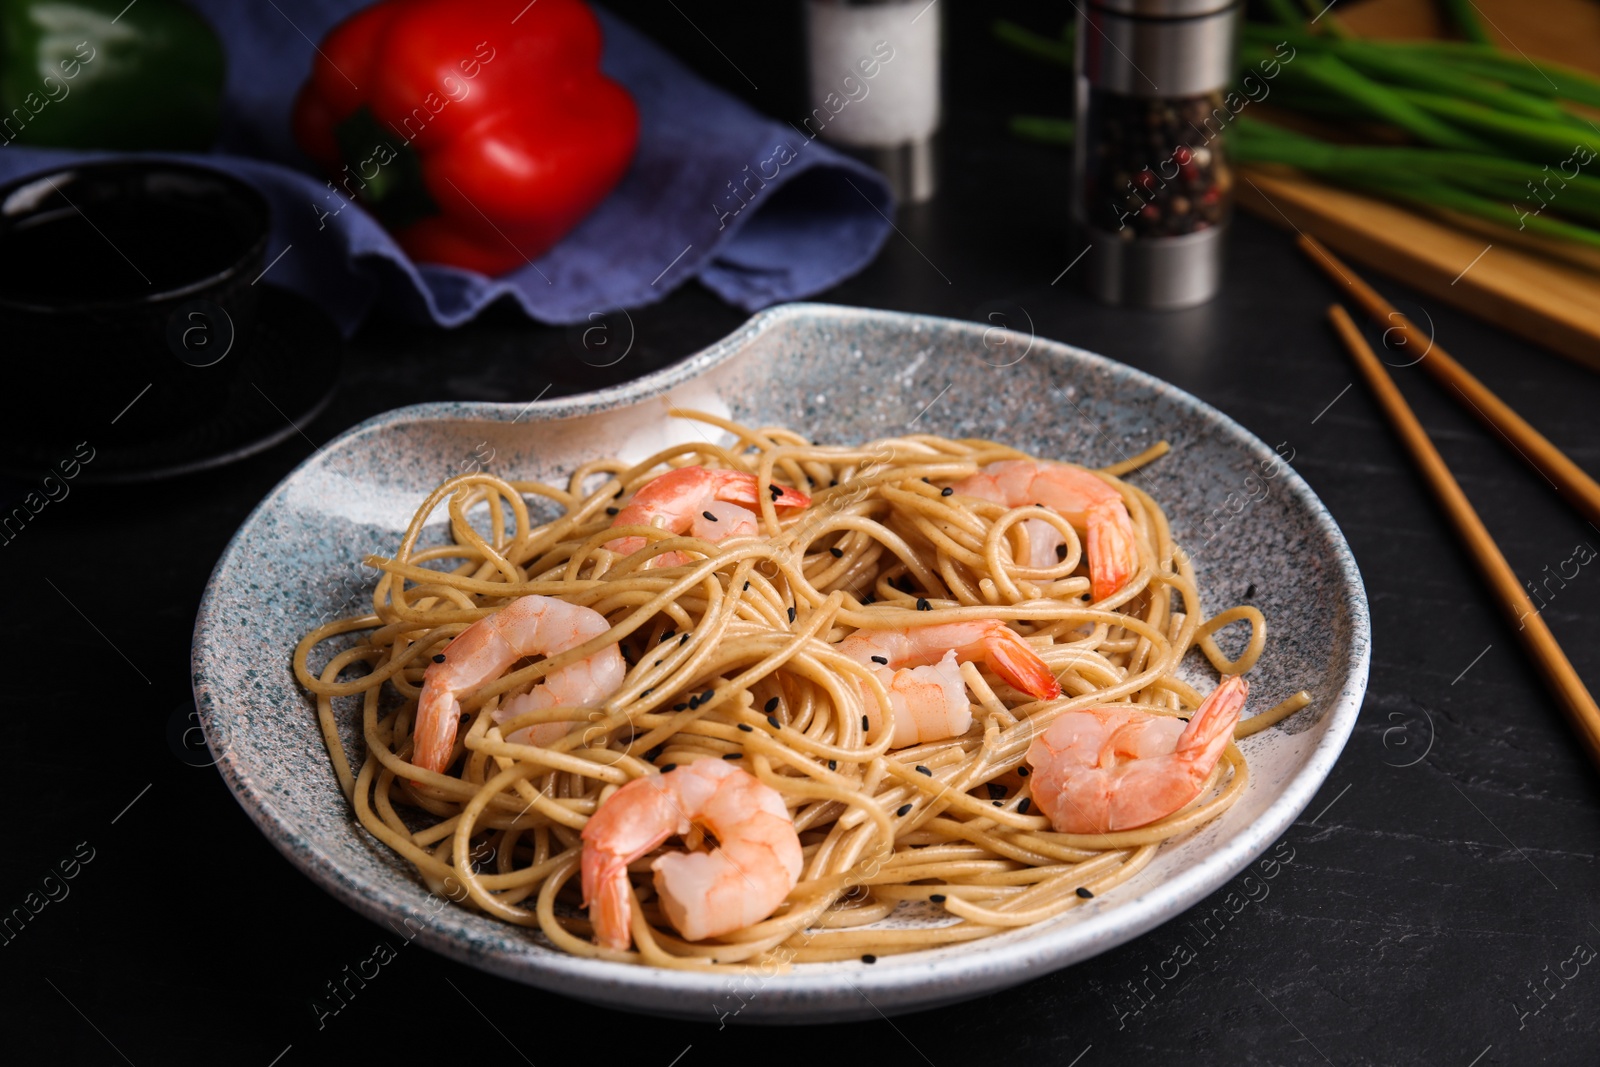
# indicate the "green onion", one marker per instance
pixel 1284 11
pixel 1035 44
pixel 1506 179
pixel 1464 13
pixel 1320 9
pixel 1042 128
pixel 1395 67
pixel 1453 126
pixel 1541 77
pixel 1434 195
pixel 1534 135
pixel 1331 73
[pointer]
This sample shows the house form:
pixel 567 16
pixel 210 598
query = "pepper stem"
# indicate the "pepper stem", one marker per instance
pixel 383 171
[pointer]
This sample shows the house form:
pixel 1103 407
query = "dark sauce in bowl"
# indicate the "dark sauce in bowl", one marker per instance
pixel 114 251
pixel 116 276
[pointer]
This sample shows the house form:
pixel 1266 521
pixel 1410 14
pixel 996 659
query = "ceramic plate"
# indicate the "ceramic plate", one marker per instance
pixel 841 375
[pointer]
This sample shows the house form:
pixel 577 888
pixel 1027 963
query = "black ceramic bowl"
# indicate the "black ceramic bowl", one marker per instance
pixel 126 289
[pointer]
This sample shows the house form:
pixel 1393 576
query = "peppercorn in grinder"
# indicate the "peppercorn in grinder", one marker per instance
pixel 1152 186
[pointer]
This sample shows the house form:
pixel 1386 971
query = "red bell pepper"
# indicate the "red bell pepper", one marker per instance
pixel 479 134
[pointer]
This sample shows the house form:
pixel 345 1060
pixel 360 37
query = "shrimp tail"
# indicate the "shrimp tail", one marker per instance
pixel 1211 728
pixel 606 895
pixel 1112 548
pixel 636 819
pixel 438 714
pixel 1015 660
pixel 740 487
pixel 785 497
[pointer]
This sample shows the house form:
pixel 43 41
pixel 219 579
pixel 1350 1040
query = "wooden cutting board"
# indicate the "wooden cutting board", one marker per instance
pixel 1545 291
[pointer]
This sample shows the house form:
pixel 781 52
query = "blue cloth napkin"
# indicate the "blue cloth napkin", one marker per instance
pixel 673 217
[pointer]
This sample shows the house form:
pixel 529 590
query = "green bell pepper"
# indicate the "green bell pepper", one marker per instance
pixel 108 74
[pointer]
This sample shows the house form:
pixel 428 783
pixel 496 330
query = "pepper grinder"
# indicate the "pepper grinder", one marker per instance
pixel 874 81
pixel 1152 184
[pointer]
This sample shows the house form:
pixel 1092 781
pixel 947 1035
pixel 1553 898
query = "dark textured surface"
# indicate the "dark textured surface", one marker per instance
pixel 1423 905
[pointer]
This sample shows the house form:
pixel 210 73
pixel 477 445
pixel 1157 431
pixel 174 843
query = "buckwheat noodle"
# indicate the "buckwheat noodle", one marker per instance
pixel 749 625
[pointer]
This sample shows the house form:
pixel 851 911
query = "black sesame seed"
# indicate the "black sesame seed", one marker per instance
pixel 1083 891
pixel 1023 772
pixel 668 634
pixel 746 727
pixel 923 770
pixel 709 517
pixel 618 494
pixel 869 958
pixel 694 702
pixel 923 605
pixel 771 706
pixel 680 707
pixel 439 658
pixel 657 663
pixel 1250 591
pixel 996 803
pixel 653 755
pixel 791 614
pixel 612 511
pixel 773 720
pixel 705 698
pixel 904 809
pixel 836 553
pixel 747 587
pixel 1061 552
pixel 927 481
pixel 937 898
pixel 1023 805
pixel 996 790
pixel 646 692
pixel 683 640
pixel 881 659
pixel 669 767
pixel 733 755
pixel 946 491
pixel 864 724
pixel 833 765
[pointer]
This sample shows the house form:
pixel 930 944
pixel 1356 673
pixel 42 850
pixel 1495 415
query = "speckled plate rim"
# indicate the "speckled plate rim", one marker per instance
pixel 824 995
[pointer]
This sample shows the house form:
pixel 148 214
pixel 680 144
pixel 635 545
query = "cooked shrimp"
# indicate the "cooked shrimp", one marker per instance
pixel 1084 499
pixel 1106 769
pixel 756 862
pixel 528 626
pixel 712 505
pixel 918 667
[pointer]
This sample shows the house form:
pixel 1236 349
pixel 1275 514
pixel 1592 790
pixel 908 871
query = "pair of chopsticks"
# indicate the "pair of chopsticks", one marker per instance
pixel 1567 477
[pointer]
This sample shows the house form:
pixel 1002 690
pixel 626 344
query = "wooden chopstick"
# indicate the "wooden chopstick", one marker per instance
pixel 1541 645
pixel 1569 479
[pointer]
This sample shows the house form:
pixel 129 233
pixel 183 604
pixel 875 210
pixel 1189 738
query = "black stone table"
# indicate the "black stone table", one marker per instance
pixel 1439 899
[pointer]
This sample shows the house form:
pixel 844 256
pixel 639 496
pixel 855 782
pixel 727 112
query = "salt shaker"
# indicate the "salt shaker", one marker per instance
pixel 874 85
pixel 1152 184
